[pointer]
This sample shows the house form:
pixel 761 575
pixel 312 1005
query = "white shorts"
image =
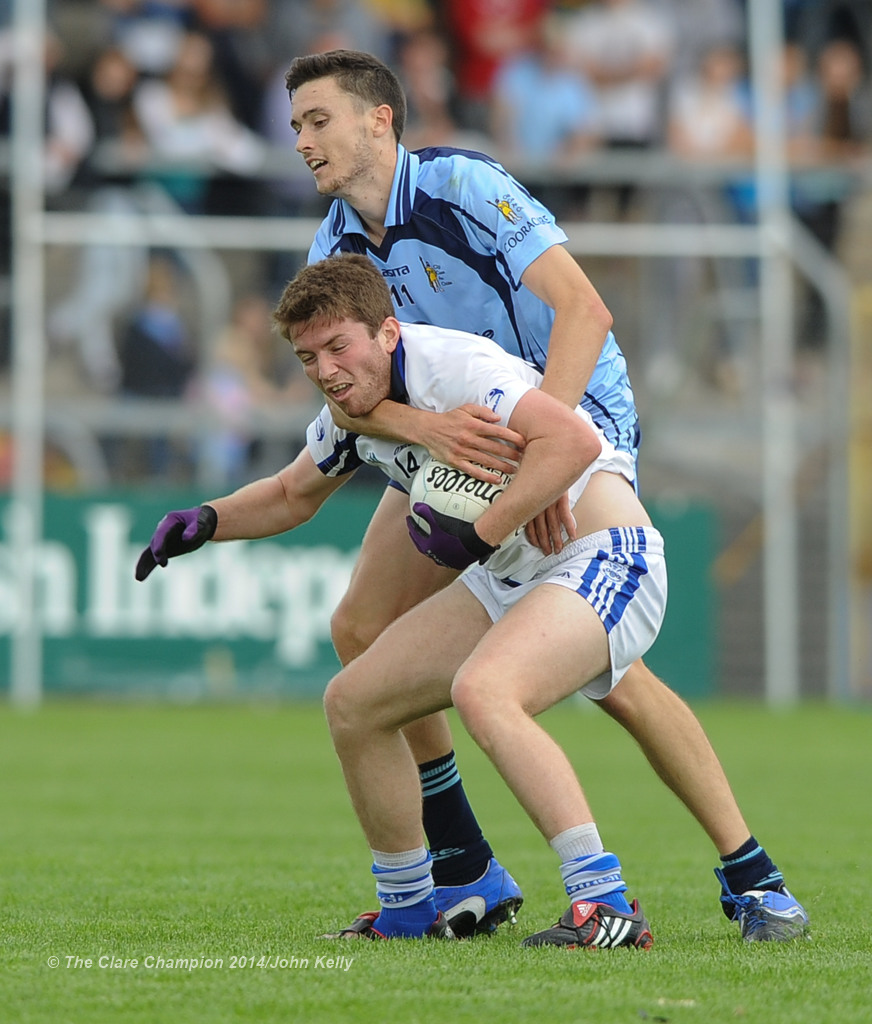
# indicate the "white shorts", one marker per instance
pixel 621 573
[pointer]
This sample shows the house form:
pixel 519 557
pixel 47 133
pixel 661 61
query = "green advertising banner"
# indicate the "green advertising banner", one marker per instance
pixel 252 618
pixel 230 620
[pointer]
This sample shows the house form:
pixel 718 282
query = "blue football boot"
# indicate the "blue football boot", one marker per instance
pixel 764 915
pixel 480 906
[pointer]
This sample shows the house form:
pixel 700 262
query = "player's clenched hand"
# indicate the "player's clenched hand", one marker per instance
pixel 450 542
pixel 471 439
pixel 177 534
pixel 544 530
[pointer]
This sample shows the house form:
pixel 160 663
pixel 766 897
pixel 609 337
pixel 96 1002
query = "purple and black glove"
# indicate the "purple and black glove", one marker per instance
pixel 177 534
pixel 450 542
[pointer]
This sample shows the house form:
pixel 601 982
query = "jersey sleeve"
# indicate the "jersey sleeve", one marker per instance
pixel 505 218
pixel 333 450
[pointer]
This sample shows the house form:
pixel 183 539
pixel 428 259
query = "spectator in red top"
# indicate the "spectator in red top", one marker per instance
pixel 484 33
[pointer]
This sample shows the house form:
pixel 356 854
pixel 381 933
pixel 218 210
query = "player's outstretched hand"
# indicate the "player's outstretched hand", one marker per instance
pixel 472 440
pixel 177 534
pixel 450 542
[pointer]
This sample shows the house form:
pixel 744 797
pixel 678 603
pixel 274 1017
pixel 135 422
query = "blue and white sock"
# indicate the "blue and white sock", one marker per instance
pixel 588 871
pixel 404 886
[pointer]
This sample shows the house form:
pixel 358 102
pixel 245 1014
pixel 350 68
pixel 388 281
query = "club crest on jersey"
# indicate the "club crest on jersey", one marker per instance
pixel 508 208
pixel 435 275
pixel 319 429
pixel 493 398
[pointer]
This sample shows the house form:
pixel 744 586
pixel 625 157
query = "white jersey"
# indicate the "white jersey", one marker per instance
pixel 438 370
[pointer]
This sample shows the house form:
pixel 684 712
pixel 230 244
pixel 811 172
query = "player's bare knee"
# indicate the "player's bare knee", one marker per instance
pixel 477 705
pixel 350 632
pixel 341 707
pixel 331 701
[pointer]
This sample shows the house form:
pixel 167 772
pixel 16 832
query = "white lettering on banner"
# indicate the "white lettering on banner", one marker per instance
pixel 107 528
pixel 55 586
pixel 258 590
pixel 311 587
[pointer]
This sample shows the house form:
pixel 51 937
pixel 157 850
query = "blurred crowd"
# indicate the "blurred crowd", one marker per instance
pixel 181 105
pixel 141 82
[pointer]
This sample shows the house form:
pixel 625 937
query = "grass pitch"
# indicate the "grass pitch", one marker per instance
pixel 184 837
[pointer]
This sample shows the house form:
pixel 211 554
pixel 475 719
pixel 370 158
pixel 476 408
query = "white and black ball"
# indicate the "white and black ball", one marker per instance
pixel 453 492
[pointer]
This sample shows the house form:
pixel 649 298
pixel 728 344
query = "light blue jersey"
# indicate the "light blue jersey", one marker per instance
pixel 460 233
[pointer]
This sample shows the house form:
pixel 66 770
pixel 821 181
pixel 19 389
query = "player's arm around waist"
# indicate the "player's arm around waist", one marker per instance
pixel 275 504
pixel 559 447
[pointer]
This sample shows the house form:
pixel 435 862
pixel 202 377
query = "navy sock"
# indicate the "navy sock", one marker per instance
pixel 750 867
pixel 460 852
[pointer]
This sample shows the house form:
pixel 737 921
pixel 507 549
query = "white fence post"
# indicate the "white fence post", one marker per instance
pixel 28 428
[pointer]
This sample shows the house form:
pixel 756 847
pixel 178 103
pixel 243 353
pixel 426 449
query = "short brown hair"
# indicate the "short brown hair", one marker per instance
pixel 357 73
pixel 343 287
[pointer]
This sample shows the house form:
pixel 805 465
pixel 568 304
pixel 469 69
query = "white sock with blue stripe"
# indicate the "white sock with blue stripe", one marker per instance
pixel 404 886
pixel 588 871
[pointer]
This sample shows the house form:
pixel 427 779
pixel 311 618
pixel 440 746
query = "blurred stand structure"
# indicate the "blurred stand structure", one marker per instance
pixel 682 273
